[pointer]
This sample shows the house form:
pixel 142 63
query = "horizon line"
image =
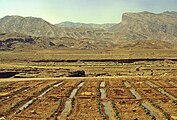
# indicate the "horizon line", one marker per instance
pixel 75 22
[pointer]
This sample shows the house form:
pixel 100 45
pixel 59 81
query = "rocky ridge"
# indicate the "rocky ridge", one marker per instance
pixel 136 30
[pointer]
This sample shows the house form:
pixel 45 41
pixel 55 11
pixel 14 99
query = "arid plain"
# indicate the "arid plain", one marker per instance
pixel 88 84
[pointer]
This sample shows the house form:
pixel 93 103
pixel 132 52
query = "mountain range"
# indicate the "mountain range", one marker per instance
pixel 68 24
pixel 136 30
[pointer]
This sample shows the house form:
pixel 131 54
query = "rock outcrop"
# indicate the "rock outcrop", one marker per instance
pixel 147 26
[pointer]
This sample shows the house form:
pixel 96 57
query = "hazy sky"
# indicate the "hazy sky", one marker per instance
pixel 88 11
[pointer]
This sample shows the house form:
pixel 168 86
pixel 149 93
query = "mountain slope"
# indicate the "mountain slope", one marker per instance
pixel 147 26
pixel 27 25
pixel 136 30
pixel 68 24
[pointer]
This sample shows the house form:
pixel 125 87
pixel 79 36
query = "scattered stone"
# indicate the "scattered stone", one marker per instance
pixel 33 112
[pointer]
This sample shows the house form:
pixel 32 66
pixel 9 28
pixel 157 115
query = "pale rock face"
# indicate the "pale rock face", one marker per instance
pixel 148 26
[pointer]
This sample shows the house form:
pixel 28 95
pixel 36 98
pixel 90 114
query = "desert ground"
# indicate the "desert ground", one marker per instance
pixel 112 84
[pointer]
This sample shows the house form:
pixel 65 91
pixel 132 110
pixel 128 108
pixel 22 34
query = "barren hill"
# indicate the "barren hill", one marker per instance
pixel 27 25
pixel 147 26
pixel 136 30
pixel 68 24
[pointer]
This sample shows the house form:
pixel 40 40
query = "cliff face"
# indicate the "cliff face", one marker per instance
pixel 147 26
